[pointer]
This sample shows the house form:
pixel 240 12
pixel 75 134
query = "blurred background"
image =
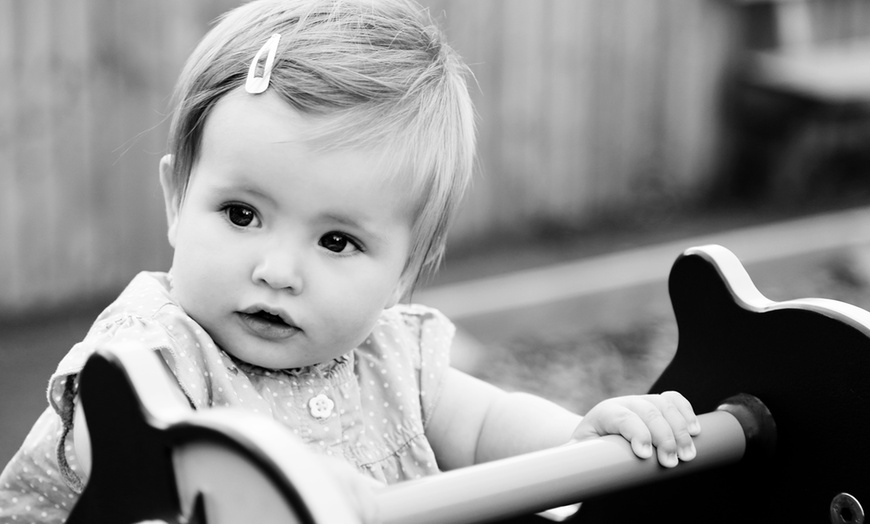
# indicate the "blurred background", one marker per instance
pixel 613 135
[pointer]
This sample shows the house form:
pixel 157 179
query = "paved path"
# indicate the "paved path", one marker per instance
pixel 544 285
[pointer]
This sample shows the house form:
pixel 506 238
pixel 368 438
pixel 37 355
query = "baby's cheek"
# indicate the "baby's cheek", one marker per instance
pixel 357 326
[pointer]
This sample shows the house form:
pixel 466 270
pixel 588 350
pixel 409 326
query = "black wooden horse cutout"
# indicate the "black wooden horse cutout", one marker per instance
pixel 780 386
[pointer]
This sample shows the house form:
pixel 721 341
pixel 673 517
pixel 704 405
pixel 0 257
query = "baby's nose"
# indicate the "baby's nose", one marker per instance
pixel 280 269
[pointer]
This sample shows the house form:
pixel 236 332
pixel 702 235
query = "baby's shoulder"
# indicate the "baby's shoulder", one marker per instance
pixel 146 296
pixel 410 331
pixel 144 316
pixel 415 318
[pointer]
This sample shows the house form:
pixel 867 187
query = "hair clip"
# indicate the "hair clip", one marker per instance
pixel 257 84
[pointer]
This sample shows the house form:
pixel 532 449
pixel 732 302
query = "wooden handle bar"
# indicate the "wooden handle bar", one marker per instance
pixel 275 478
pixel 556 477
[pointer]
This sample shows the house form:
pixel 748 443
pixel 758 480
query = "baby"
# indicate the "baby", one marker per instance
pixel 318 151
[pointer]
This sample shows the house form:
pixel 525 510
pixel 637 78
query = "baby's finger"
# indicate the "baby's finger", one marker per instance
pixel 678 430
pixel 644 425
pixel 685 408
pixel 670 404
pixel 661 431
pixel 633 429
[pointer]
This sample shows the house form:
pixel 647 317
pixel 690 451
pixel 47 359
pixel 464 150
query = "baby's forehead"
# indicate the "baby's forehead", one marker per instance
pixel 244 129
pixel 275 119
pixel 271 119
pixel 240 115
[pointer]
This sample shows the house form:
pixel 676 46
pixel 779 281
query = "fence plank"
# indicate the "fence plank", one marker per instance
pixel 35 206
pixel 10 267
pixel 72 252
pixel 567 106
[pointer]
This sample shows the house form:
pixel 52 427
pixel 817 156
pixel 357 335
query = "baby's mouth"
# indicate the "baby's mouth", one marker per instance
pixel 269 317
pixel 267 325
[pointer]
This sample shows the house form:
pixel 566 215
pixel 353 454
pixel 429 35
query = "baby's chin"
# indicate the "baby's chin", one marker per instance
pixel 268 359
pixel 269 362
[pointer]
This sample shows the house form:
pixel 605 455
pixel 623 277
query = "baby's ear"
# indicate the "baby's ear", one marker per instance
pixel 170 197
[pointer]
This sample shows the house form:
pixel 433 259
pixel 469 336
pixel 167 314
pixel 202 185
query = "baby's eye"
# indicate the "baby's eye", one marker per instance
pixel 339 243
pixel 241 215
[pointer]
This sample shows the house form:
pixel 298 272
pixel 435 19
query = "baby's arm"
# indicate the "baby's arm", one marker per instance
pixel 476 422
pixel 81 438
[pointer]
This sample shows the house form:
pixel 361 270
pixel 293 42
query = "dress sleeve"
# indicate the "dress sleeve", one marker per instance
pixel 32 488
pixel 176 343
pixel 123 334
pixel 435 333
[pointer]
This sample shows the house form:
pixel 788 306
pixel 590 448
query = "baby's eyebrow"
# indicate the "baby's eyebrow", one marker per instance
pixel 345 220
pixel 249 190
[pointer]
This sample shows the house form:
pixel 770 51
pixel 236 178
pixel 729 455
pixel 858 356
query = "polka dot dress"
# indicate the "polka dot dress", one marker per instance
pixel 370 407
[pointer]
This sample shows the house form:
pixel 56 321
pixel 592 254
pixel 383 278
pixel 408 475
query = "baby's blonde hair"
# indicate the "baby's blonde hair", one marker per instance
pixel 381 72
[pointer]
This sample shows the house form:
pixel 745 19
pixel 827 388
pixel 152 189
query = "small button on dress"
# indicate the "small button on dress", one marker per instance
pixel 320 406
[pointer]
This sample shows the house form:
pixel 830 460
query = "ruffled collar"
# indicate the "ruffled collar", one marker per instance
pixel 322 370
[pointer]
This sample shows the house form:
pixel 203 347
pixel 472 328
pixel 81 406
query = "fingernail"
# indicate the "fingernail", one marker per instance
pixel 687 452
pixel 646 450
pixel 694 428
pixel 671 459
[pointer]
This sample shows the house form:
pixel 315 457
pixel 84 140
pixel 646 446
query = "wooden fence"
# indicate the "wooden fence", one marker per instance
pixel 584 105
pixel 589 105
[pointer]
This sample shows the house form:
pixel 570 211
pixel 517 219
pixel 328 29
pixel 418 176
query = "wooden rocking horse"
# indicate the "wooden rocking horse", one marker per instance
pixel 780 384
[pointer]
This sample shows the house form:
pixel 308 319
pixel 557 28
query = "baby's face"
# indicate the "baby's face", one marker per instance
pixel 284 255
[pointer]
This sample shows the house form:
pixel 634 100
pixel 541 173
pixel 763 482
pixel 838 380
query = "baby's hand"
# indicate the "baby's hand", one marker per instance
pixel 665 421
